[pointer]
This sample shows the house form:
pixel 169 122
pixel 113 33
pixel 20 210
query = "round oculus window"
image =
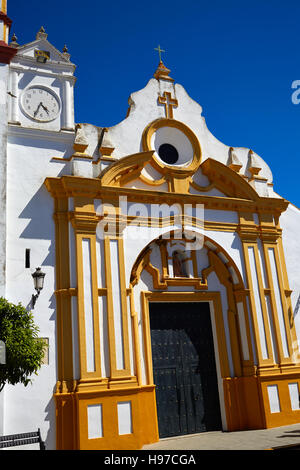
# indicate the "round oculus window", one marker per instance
pixel 172 146
pixel 168 154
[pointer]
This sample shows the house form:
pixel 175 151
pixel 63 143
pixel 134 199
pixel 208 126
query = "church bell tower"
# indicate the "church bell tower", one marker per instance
pixel 6 54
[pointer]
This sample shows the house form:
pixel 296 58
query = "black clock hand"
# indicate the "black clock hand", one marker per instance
pixel 45 108
pixel 37 109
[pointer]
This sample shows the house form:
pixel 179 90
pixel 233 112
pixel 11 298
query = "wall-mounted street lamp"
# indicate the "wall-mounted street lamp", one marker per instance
pixel 38 279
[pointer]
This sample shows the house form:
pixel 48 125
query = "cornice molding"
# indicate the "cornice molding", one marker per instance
pixel 40 134
pixel 70 186
pixel 30 65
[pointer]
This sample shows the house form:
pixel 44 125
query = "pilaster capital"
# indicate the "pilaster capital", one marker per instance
pixel 248 232
pixel 269 234
pixel 84 222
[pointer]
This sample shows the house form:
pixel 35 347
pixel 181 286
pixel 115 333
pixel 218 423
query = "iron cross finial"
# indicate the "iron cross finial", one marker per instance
pixel 159 51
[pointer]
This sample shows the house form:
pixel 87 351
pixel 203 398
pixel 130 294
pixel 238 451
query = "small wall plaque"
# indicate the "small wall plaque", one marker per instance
pixel 2 353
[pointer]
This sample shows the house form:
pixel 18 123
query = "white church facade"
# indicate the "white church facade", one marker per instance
pixel 172 276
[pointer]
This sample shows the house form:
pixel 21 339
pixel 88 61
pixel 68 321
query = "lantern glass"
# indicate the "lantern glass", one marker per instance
pixel 38 279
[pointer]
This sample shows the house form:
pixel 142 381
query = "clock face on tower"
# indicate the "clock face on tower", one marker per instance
pixel 40 103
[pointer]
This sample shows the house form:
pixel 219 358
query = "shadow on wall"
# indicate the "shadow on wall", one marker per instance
pixel 297 306
pixel 39 211
pixel 40 227
pixel 50 439
pixel 40 233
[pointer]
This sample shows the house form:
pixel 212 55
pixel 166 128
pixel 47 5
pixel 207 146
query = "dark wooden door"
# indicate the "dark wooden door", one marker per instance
pixel 184 368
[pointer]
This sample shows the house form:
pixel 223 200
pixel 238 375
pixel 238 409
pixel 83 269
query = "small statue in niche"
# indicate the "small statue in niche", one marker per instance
pixel 179 266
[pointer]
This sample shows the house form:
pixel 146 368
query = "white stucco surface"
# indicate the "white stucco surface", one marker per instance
pixel 30 225
pixel 290 223
pixel 3 162
pixel 188 111
pixel 4 70
pixel 32 148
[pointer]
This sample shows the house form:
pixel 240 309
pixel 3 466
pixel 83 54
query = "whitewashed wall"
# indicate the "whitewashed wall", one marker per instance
pixel 3 146
pixel 30 225
pixel 290 224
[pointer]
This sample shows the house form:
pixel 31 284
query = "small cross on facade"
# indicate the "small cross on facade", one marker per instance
pixel 159 51
pixel 168 102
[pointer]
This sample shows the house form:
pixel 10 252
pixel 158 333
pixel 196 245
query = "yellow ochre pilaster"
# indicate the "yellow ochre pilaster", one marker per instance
pixel 271 241
pixel 120 375
pixel 66 414
pixel 262 333
pixel 84 222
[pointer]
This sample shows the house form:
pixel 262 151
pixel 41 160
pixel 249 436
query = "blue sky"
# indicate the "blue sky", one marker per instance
pixel 238 59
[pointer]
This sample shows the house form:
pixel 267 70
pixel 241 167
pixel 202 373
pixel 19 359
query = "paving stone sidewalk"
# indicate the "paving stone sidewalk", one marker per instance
pixel 239 440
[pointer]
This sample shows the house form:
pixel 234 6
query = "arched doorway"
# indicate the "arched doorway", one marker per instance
pixel 184 368
pixel 192 337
